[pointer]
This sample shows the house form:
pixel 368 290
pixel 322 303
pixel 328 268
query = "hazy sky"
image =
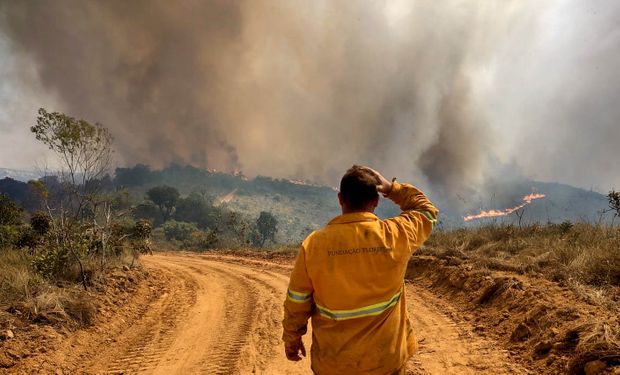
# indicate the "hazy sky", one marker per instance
pixel 427 91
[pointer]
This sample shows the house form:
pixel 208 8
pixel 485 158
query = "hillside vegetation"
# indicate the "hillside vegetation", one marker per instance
pixel 301 207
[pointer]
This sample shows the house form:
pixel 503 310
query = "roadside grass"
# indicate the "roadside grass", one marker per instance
pixel 17 279
pixel 274 252
pixel 25 294
pixel 599 340
pixel 568 253
pixel 278 250
pixel 582 257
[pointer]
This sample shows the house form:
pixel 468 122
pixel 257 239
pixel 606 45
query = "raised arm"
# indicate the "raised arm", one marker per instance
pixel 418 215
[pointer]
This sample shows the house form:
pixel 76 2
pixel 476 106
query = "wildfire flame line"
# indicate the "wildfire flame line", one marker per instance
pixel 227 198
pixel 506 211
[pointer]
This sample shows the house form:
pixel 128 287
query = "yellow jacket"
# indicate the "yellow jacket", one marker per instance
pixel 349 277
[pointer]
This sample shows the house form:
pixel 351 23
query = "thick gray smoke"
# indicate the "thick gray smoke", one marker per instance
pixel 304 89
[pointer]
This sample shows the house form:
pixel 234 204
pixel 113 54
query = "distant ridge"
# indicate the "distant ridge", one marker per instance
pixel 302 206
pixel 20 174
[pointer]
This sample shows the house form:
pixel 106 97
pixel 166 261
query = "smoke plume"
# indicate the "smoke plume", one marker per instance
pixel 305 89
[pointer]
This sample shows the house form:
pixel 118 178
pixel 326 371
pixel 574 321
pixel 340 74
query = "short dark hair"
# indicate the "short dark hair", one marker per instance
pixel 358 187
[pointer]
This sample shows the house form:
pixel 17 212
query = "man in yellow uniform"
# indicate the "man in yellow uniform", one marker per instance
pixel 349 277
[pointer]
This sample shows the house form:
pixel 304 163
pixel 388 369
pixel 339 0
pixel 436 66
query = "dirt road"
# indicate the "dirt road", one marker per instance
pixel 221 315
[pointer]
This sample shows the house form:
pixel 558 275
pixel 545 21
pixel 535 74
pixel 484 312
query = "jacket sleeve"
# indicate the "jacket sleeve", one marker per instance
pixel 418 215
pixel 299 303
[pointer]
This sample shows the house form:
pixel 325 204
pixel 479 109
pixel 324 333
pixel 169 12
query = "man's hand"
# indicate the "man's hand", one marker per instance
pixel 384 186
pixel 293 349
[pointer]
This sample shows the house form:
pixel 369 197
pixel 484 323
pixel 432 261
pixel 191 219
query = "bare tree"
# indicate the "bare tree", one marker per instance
pixel 614 204
pixel 519 214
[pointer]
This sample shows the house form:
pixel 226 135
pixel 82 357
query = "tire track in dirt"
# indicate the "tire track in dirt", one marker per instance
pixel 228 331
pixel 447 345
pixel 141 346
pixel 262 351
pixel 216 317
pixel 222 315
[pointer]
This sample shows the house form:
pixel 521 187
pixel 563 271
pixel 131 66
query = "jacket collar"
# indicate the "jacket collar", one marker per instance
pixel 353 217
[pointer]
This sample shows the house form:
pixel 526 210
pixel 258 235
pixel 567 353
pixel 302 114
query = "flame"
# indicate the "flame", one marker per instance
pixel 506 211
pixel 302 182
pixel 306 183
pixel 239 174
pixel 227 198
pixel 529 198
pixel 299 182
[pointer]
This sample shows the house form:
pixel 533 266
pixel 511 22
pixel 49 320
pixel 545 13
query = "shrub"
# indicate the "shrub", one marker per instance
pixel 9 235
pixel 53 262
pixel 196 209
pixel 40 222
pixel 565 226
pixel 147 211
pixel 266 228
pixel 141 237
pixel 142 230
pixel 179 230
pixel 28 238
pixel 202 240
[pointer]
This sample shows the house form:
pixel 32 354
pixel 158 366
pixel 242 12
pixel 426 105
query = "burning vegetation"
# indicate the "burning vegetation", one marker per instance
pixel 506 211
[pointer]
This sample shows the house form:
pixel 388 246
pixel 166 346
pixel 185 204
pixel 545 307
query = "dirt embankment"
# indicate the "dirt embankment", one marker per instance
pixel 221 314
pixel 543 325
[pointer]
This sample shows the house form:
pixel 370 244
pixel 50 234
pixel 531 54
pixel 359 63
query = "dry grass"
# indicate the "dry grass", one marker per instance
pixel 582 257
pixel 580 253
pixel 597 341
pixel 24 293
pixel 17 280
pixel 59 306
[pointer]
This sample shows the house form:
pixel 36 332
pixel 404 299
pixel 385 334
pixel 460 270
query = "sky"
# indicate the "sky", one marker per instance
pixel 444 94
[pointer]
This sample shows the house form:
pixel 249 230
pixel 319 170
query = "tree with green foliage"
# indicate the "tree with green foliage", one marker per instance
pixel 165 197
pixel 266 228
pixel 39 193
pixel 11 216
pixel 85 152
pixel 147 211
pixel 10 212
pixel 137 175
pixel 197 209
pixel 84 149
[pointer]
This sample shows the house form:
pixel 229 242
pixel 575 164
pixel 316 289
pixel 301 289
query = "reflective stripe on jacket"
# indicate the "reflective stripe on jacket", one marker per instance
pixel 348 277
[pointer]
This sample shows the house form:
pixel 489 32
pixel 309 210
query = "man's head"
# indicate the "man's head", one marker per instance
pixel 358 190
